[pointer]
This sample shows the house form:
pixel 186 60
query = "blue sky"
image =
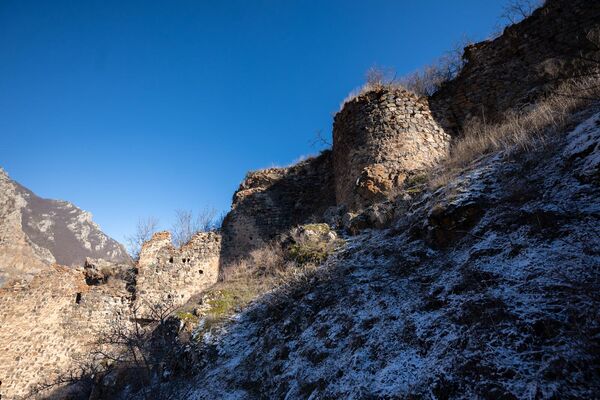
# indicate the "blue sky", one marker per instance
pixel 137 108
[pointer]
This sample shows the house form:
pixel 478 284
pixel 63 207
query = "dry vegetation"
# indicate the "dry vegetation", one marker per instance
pixel 423 82
pixel 271 267
pixel 524 130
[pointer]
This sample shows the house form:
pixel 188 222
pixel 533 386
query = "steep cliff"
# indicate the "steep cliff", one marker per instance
pixel 36 232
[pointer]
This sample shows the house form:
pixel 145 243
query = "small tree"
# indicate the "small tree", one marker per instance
pixel 144 230
pixel 517 10
pixel 134 350
pixel 378 77
pixel 430 78
pixel 187 224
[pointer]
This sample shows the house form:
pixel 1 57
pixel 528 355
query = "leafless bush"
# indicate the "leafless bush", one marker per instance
pixel 515 11
pixel 144 230
pixel 135 351
pixel 378 77
pixel 424 82
pixel 187 224
pixel 430 78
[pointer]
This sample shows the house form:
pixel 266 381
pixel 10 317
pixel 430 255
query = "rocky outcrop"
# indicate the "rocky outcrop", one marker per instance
pixel 36 232
pixel 167 275
pixel 381 138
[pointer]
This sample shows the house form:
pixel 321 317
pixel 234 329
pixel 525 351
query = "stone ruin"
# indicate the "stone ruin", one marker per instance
pixel 166 274
pixel 381 138
pixel 271 201
pixel 50 323
pixel 559 41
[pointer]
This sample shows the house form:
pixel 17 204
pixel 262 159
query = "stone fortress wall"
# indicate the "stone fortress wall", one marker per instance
pixel 530 59
pixel 272 201
pixel 166 274
pixel 380 138
pixel 49 323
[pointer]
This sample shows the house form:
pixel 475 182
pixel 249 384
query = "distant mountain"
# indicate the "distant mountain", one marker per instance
pixel 36 232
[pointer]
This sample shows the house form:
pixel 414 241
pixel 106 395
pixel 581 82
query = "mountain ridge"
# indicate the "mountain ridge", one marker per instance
pixel 36 232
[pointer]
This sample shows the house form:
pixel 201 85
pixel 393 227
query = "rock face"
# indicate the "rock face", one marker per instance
pixel 272 201
pixel 559 41
pixel 169 275
pixel 36 232
pixel 380 138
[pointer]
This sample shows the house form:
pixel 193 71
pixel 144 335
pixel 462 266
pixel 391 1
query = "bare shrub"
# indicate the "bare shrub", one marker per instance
pixel 524 130
pixel 515 11
pixel 136 351
pixel 423 82
pixel 429 79
pixel 187 224
pixel 144 230
pixel 376 78
pixel 264 271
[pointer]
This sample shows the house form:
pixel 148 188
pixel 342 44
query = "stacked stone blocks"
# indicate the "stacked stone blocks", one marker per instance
pixel 380 138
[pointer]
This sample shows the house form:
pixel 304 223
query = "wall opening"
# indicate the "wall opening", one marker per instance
pixel 78 298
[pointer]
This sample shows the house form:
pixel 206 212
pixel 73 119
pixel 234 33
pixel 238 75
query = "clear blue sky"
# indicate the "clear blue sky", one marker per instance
pixel 138 108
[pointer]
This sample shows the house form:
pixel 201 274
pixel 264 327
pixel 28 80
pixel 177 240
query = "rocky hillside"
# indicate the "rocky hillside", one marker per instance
pixel 486 288
pixel 429 254
pixel 36 232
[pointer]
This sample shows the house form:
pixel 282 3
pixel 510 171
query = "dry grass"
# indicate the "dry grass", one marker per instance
pixel 518 131
pixel 376 79
pixel 263 271
pixel 423 82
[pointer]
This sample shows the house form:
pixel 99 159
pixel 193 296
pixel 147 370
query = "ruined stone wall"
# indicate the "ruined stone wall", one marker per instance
pixel 167 274
pixel 49 323
pixel 528 61
pixel 271 201
pixel 379 139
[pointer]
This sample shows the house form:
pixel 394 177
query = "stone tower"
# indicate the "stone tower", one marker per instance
pixel 380 138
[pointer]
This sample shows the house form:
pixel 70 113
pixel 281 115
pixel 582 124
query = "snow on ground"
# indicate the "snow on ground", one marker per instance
pixel 494 295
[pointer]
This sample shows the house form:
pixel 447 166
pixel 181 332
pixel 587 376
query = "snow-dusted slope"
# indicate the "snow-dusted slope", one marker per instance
pixel 488 289
pixel 36 232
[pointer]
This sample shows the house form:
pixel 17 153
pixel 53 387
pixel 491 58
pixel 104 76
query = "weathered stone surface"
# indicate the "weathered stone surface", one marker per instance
pixel 380 137
pixel 530 59
pixel 168 274
pixel 272 201
pixel 50 322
